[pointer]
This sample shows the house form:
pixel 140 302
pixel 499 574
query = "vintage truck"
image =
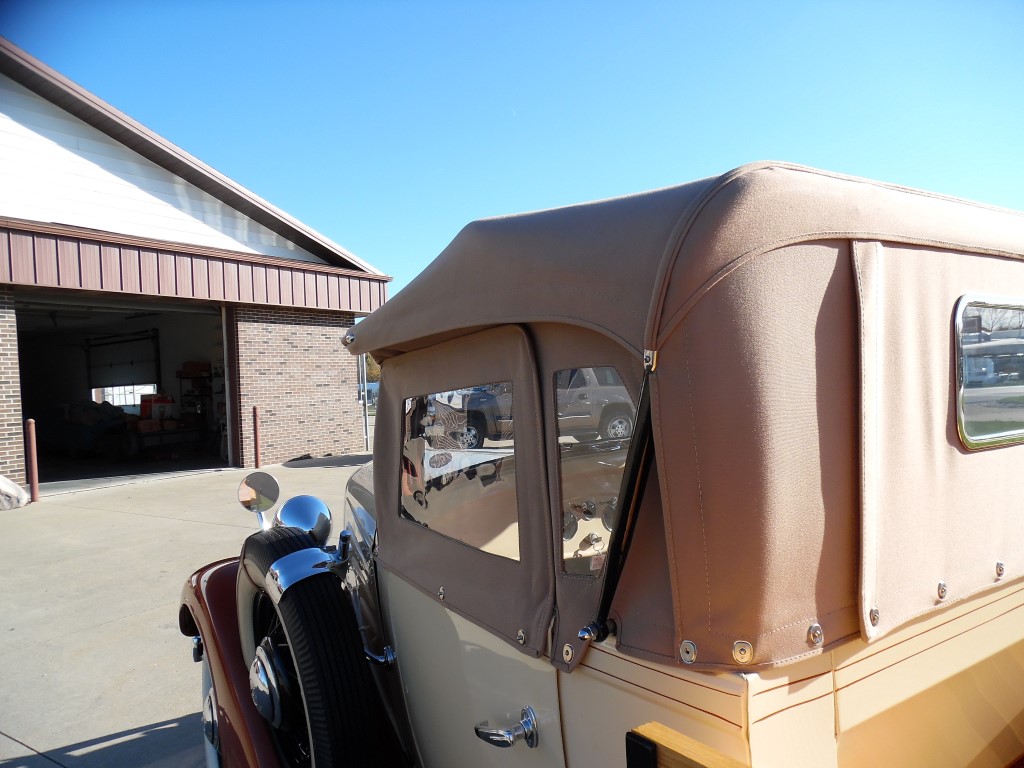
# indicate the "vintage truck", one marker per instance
pixel 805 550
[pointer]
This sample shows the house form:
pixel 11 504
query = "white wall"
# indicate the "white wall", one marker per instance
pixel 55 168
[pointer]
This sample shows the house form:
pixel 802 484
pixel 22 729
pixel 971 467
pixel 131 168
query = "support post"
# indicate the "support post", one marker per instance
pixel 256 433
pixel 32 459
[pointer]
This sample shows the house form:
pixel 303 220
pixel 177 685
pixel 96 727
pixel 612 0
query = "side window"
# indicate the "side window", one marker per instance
pixel 458 466
pixel 595 423
pixel 990 370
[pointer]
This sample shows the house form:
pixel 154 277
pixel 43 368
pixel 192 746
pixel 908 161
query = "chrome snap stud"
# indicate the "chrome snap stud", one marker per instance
pixel 688 651
pixel 440 594
pixel 521 637
pixel 1000 569
pixel 942 591
pixel 874 616
pixel 567 653
pixel 814 635
pixel 742 651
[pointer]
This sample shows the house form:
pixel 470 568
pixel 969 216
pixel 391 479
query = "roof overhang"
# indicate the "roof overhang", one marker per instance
pixel 57 89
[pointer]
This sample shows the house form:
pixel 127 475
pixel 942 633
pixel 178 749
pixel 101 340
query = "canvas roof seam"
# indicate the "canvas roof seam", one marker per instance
pixel 669 326
pixel 674 246
pixel 76 100
pixel 657 331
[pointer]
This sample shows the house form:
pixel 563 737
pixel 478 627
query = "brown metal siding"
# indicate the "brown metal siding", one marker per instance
pixel 5 257
pixel 68 272
pixel 131 271
pixel 59 259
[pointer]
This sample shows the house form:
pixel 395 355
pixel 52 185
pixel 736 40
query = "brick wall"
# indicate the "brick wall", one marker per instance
pixel 12 433
pixel 292 364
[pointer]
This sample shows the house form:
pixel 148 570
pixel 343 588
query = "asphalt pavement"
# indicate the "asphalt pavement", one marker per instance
pixel 94 670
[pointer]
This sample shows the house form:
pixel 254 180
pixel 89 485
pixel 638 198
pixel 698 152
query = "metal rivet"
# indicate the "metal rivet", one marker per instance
pixel 688 651
pixel 567 653
pixel 814 635
pixel 1000 569
pixel 742 651
pixel 440 594
pixel 942 591
pixel 349 338
pixel 521 637
pixel 874 616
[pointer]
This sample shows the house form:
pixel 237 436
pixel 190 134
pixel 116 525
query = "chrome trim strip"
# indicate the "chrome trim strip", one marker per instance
pixel 963 303
pixel 295 567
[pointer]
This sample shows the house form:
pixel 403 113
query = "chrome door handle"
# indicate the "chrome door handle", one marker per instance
pixel 507 737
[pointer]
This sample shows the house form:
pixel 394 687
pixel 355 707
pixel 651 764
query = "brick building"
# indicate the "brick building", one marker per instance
pixel 133 274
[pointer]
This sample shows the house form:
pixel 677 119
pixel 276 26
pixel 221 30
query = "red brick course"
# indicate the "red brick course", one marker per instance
pixel 293 366
pixel 12 430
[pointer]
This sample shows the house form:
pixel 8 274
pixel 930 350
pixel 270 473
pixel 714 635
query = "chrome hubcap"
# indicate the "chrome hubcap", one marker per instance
pixel 263 685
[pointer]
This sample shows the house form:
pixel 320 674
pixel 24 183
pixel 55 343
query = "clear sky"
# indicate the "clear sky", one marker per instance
pixel 388 125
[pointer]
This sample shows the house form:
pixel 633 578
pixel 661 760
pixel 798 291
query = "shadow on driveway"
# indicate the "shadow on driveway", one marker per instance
pixel 170 744
pixel 351 460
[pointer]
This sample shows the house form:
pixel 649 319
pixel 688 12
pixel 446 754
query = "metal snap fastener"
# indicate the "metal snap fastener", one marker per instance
pixel 440 594
pixel 688 651
pixel 521 637
pixel 742 651
pixel 567 653
pixel 814 635
pixel 874 616
pixel 942 591
pixel 1000 569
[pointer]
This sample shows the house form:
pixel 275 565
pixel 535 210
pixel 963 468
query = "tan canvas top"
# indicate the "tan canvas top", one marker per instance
pixel 632 266
pixel 810 483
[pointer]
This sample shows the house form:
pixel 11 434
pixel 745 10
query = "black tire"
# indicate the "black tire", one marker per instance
pixel 617 424
pixel 336 717
pixel 476 432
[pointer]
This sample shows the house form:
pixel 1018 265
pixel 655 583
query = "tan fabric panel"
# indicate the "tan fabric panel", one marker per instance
pixel 563 265
pixel 499 594
pixel 932 511
pixel 559 347
pixel 755 401
pixel 643 602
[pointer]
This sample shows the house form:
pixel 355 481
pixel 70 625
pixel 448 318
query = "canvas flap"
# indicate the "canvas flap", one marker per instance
pixel 936 518
pixel 512 598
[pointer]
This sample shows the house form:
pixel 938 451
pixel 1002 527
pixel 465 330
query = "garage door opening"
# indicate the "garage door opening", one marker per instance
pixel 120 389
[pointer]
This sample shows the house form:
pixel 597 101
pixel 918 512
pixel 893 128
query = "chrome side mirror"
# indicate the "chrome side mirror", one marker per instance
pixel 258 492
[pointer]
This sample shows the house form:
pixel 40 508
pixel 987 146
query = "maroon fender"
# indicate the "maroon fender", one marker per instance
pixel 209 609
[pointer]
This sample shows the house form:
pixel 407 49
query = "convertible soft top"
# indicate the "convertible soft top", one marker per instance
pixel 809 470
pixel 633 266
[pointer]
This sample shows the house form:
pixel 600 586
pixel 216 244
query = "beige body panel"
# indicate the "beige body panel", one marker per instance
pixel 456 674
pixel 944 691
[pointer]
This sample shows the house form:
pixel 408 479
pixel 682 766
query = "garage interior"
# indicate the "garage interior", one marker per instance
pixel 119 388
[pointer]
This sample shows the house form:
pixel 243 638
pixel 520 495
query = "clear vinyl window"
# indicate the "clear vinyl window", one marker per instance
pixel 595 424
pixel 990 372
pixel 458 466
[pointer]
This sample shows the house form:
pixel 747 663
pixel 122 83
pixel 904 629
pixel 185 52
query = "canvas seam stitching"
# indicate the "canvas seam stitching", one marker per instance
pixel 858 272
pixel 700 490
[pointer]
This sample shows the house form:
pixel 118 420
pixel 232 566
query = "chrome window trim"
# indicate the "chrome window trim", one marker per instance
pixel 996 440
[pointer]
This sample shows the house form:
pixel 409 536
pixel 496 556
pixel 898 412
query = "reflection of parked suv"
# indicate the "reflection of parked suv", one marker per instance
pixel 593 400
pixel 794 560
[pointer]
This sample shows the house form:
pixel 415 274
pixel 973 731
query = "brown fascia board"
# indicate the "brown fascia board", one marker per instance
pixel 57 89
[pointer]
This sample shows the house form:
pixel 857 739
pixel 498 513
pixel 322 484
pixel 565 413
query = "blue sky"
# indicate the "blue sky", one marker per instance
pixel 389 125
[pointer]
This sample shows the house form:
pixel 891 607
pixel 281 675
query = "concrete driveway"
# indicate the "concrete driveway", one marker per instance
pixel 95 671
